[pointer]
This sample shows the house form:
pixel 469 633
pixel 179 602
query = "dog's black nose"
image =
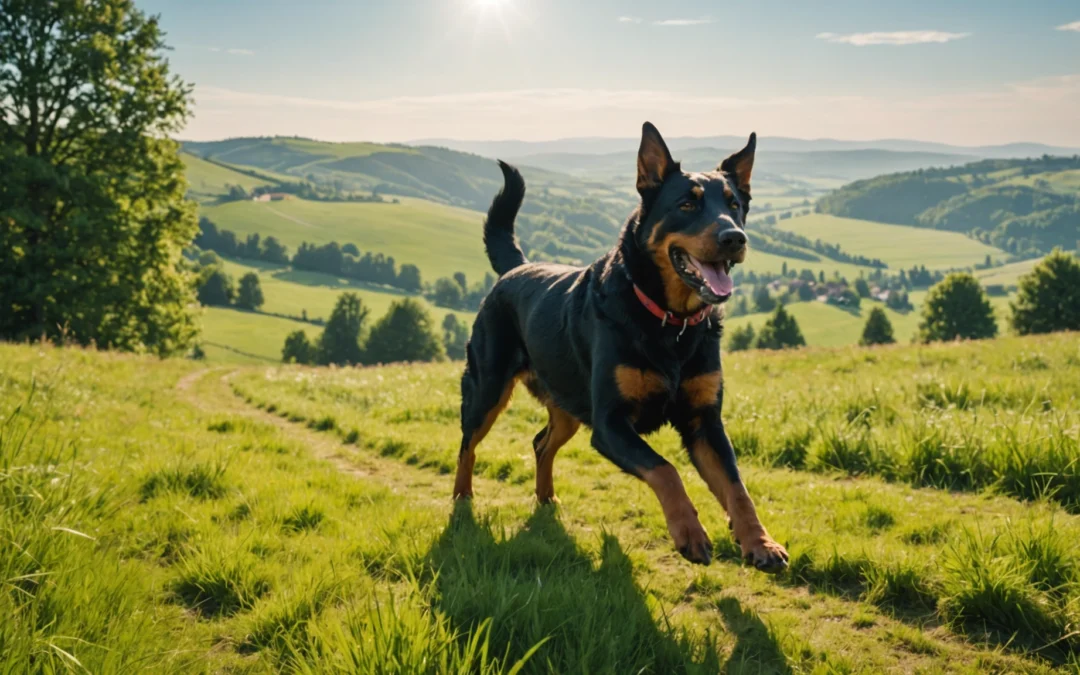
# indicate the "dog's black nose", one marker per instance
pixel 732 240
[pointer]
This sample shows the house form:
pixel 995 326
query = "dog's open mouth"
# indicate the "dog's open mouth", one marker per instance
pixel 711 280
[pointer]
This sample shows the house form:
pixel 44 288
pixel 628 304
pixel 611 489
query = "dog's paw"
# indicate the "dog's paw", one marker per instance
pixel 766 555
pixel 692 541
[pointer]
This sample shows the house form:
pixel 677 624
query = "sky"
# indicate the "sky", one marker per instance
pixel 953 71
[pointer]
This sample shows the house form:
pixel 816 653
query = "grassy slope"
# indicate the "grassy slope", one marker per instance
pixel 230 547
pixel 896 245
pixel 208 181
pixel 439 239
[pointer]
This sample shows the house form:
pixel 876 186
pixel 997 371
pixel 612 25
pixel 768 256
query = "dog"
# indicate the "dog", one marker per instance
pixel 625 345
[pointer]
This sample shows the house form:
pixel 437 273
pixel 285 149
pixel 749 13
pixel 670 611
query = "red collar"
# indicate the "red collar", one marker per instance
pixel 668 318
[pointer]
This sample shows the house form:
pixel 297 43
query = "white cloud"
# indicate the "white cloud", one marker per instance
pixel 900 37
pixel 1074 26
pixel 683 22
pixel 629 19
pixel 240 52
pixel 1034 110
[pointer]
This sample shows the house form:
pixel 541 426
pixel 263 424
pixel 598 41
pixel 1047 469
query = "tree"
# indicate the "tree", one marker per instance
pixel 403 334
pixel 298 349
pixel 741 339
pixel 447 293
pixel 1048 299
pixel 250 295
pixel 459 277
pixel 878 330
pixel 957 308
pixel 409 278
pixel 763 301
pixel 455 337
pixel 215 288
pixel 339 343
pixel 93 217
pixel 780 331
pixel 273 251
pixel 862 287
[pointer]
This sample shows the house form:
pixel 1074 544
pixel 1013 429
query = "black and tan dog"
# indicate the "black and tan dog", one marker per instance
pixel 626 345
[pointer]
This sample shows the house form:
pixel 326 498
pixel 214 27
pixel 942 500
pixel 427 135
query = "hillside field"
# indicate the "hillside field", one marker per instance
pixel 897 246
pixel 168 516
pixel 439 239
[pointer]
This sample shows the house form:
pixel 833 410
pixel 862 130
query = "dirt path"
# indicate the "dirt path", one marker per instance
pixel 302 223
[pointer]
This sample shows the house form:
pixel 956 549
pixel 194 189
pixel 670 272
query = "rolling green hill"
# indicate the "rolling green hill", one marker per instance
pixel 208 182
pixel 437 238
pixel 1025 207
pixel 900 247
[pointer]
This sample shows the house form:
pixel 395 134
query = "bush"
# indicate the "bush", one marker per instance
pixel 455 337
pixel 878 329
pixel 741 339
pixel 957 308
pixel 403 334
pixel 298 349
pixel 763 301
pixel 1049 296
pixel 781 331
pixel 215 288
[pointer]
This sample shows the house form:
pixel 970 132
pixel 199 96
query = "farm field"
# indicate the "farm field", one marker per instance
pixel 898 246
pixel 208 181
pixel 249 519
pixel 235 336
pixel 439 239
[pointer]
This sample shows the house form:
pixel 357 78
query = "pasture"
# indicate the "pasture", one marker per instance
pixel 174 517
pixel 898 246
pixel 438 239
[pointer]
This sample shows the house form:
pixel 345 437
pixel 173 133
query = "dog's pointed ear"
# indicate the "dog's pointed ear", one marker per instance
pixel 654 163
pixel 740 165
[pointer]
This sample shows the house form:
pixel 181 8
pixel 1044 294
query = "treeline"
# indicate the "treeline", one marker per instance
pixel 215 287
pixel 303 189
pixel 333 258
pixel 226 243
pixel 456 293
pixel 406 333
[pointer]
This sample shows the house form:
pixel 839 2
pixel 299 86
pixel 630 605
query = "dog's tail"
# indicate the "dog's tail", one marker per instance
pixel 502 247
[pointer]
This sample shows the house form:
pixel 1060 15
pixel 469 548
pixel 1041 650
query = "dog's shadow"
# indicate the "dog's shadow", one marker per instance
pixel 537 584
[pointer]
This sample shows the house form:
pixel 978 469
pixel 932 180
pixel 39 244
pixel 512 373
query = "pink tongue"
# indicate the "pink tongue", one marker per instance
pixel 718 280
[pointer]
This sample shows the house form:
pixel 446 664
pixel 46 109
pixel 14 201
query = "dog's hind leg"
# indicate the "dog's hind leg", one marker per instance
pixel 494 359
pixel 561 428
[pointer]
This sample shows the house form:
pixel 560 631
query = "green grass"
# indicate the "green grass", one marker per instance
pixel 439 239
pixel 208 181
pixel 158 517
pixel 898 246
pixel 235 336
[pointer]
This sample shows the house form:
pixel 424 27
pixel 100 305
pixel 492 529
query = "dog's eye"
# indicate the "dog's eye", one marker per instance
pixel 689 206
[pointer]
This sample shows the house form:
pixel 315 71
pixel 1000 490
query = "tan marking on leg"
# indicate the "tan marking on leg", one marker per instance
pixel 635 384
pixel 686 530
pixel 753 539
pixel 561 428
pixel 702 390
pixel 466 460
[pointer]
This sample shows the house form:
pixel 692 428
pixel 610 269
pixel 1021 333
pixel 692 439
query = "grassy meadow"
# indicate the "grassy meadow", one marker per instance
pixel 439 239
pixel 166 516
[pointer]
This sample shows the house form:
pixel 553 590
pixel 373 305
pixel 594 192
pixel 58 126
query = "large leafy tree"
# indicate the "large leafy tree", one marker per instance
pixel 339 343
pixel 250 295
pixel 92 210
pixel 1049 296
pixel 405 333
pixel 957 308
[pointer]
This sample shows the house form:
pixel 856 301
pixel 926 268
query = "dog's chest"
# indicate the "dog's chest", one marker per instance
pixel 650 395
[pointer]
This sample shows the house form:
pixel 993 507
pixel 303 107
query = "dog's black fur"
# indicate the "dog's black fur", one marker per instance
pixel 585 346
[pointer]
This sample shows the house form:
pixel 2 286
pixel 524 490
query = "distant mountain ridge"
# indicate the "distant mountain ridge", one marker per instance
pixel 601 146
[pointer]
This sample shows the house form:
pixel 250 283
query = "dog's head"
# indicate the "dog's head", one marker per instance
pixel 692 225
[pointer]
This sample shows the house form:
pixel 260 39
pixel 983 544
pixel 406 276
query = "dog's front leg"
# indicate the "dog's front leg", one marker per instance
pixel 615 438
pixel 711 452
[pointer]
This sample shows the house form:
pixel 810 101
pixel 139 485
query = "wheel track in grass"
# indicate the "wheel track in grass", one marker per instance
pixel 755 592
